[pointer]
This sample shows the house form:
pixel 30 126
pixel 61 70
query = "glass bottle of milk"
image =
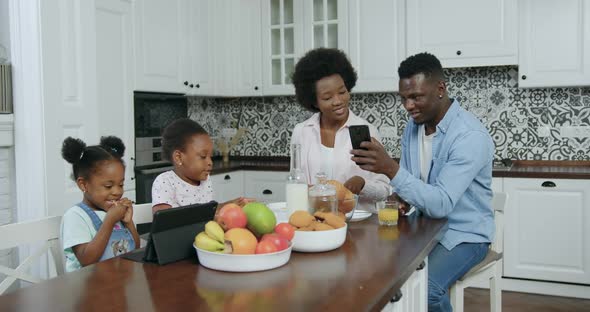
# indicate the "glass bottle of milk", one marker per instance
pixel 296 183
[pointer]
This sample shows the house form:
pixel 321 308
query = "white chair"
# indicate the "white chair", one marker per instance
pixel 142 213
pixel 489 270
pixel 17 234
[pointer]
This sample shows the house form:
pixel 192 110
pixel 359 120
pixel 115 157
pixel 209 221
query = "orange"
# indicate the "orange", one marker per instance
pixel 243 242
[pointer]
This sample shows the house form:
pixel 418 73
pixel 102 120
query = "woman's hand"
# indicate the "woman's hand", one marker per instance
pixel 355 184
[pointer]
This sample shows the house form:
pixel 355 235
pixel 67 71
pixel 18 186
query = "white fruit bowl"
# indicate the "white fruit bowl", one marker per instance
pixel 319 241
pixel 243 263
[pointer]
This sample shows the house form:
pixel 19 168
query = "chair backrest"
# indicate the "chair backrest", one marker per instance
pixel 142 213
pixel 498 204
pixel 45 230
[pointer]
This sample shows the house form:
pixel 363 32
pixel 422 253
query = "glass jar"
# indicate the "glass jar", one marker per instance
pixel 322 196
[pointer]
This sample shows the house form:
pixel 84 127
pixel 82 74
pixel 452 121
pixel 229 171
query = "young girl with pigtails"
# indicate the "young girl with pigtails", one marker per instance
pixel 100 226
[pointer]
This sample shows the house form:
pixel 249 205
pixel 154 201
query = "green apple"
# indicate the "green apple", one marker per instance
pixel 261 220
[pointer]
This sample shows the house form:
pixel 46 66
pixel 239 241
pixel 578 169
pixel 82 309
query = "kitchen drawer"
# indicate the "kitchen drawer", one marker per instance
pixel 265 186
pixel 228 186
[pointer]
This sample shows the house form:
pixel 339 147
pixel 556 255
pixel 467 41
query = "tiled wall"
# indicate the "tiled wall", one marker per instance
pixel 513 116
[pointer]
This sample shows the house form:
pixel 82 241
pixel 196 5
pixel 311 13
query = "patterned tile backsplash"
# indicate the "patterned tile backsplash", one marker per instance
pixel 515 117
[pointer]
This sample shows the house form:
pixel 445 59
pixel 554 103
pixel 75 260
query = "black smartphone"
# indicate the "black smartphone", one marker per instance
pixel 358 134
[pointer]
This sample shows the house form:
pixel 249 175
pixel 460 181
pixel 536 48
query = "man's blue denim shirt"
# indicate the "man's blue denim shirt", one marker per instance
pixel 460 178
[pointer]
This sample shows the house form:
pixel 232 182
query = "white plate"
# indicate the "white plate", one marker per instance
pixel 243 263
pixel 318 241
pixel 360 215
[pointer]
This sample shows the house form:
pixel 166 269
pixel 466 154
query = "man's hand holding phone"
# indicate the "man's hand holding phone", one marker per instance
pixel 373 157
pixel 359 134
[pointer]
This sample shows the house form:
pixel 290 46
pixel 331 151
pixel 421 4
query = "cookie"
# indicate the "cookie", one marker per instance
pixel 322 226
pixel 301 219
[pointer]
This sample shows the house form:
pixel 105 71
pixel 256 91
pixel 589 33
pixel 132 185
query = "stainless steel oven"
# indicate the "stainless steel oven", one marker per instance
pixel 144 180
pixel 153 112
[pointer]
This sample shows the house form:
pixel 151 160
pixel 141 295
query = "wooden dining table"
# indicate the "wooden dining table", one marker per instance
pixel 363 274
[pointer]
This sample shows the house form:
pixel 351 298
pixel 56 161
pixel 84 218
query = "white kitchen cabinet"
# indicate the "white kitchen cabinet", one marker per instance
pixel 464 33
pixel 247 59
pixel 414 293
pixel 290 29
pixel 547 226
pixel 325 24
pixel 179 46
pixel 160 45
pixel 265 186
pixel 227 186
pixel 282 42
pixel 554 39
pixel 200 58
pixel 376 43
pixel 497 185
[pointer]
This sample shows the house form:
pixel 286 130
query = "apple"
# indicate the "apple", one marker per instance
pixel 280 242
pixel 285 230
pixel 231 216
pixel 265 247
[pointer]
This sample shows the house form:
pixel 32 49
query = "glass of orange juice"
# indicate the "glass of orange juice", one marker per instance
pixel 388 212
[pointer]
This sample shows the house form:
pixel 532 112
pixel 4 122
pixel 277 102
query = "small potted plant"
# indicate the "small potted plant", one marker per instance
pixel 228 140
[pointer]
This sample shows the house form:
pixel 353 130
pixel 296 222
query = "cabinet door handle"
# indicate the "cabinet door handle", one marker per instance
pixel 191 85
pixel 267 192
pixel 227 177
pixel 132 178
pixel 198 85
pixel 186 83
pixel 256 88
pixel 421 266
pixel 397 297
pixel 548 184
pixel 523 77
pixel 459 52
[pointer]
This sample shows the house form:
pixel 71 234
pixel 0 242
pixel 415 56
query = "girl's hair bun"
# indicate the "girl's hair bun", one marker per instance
pixel 72 150
pixel 113 145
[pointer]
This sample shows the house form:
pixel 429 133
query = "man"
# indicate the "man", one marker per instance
pixel 445 171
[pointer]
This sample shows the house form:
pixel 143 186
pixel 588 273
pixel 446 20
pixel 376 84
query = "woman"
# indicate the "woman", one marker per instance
pixel 323 79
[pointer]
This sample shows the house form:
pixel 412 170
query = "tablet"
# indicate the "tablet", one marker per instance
pixel 173 232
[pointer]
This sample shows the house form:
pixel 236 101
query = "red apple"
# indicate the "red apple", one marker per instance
pixel 265 247
pixel 231 216
pixel 285 230
pixel 280 242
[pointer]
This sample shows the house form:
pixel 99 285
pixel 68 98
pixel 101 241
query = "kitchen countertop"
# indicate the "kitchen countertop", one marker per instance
pixel 519 168
pixel 362 275
pixel 264 163
pixel 546 169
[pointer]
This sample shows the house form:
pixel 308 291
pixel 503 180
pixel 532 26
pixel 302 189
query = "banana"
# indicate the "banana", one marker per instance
pixel 203 241
pixel 214 230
